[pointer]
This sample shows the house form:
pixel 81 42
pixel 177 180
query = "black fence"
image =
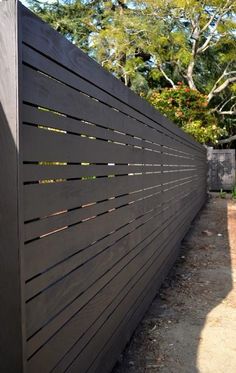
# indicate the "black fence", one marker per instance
pixel 97 191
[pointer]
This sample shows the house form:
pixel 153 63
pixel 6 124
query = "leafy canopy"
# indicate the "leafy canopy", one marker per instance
pixel 151 45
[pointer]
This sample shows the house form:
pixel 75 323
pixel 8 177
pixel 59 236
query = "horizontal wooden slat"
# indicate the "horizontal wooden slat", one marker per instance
pixel 34 115
pixel 45 199
pixel 43 226
pixel 39 172
pixel 60 147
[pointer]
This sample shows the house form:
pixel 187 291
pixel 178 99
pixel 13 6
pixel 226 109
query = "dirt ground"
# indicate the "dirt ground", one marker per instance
pixel 191 325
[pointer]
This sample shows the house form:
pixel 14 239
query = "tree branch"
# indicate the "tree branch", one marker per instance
pixel 226 141
pixel 230 72
pixel 229 112
pixel 215 90
pixel 224 85
pixel 196 33
pixel 167 78
pixel 224 10
pixel 224 104
pixel 195 36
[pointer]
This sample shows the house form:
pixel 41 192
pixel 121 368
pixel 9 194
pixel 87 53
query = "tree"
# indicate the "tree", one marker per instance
pixel 153 44
pixel 188 109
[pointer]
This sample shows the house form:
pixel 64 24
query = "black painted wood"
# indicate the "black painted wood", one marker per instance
pixel 62 268
pixel 96 336
pixel 60 147
pixel 103 299
pixel 12 320
pixel 160 232
pixel 92 263
pixel 99 190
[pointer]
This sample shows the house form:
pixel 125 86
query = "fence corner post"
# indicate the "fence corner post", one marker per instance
pixel 11 341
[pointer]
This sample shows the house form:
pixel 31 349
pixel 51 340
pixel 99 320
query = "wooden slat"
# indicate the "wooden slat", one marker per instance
pixel 36 172
pixel 40 227
pixel 128 127
pixel 43 226
pixel 45 199
pixel 33 115
pixel 41 172
pixel 60 147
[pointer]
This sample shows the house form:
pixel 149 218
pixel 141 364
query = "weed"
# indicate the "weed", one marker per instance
pixel 234 192
pixel 222 193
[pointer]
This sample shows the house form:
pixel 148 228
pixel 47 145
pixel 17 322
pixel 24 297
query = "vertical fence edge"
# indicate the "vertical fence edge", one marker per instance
pixel 11 345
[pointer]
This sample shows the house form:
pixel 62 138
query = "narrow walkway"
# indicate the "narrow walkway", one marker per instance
pixel 191 325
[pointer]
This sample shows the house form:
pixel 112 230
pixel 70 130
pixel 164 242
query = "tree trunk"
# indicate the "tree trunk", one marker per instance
pixel 189 75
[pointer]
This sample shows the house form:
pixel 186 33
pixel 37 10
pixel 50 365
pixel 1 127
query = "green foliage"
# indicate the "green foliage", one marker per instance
pixel 234 192
pixel 222 194
pixel 71 18
pixel 151 45
pixel 188 109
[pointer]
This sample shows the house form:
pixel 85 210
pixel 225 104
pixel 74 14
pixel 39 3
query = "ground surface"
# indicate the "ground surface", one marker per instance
pixel 191 325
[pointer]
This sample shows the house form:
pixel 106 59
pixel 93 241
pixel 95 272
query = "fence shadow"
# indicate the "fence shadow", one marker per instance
pixel 173 336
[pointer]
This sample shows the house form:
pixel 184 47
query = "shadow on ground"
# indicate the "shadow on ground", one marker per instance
pixel 191 325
